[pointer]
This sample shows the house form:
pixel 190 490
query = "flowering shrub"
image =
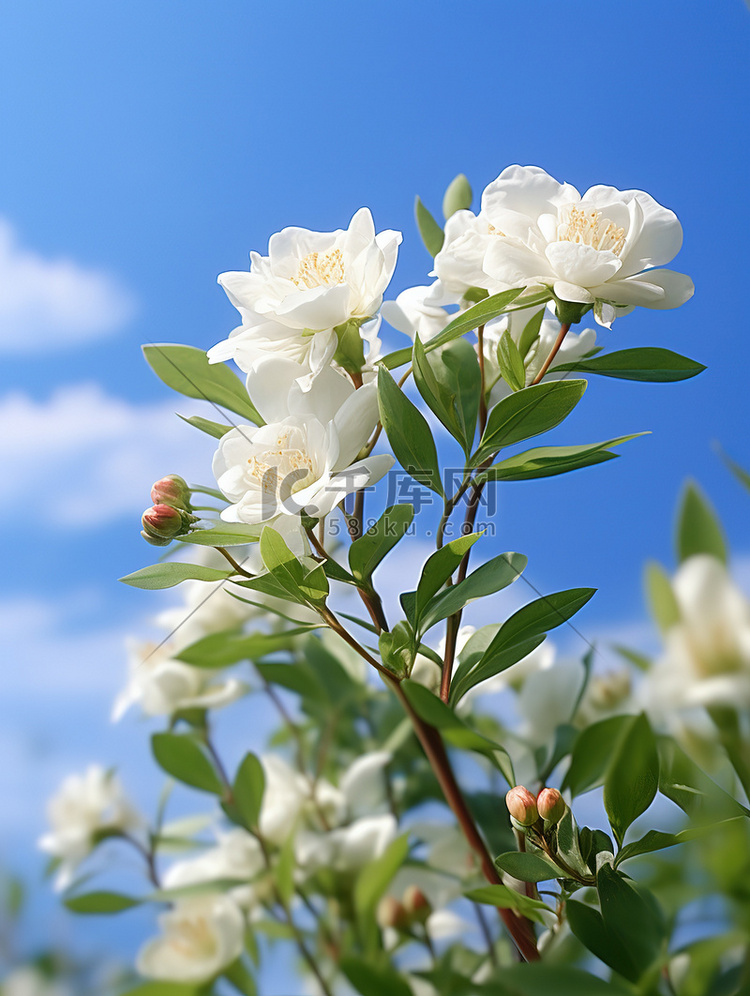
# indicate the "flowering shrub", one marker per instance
pixel 352 838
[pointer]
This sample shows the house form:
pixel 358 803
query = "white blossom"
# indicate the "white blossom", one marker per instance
pixel 305 457
pixel 310 283
pixel 604 247
pixel 29 981
pixel 706 659
pixel 237 856
pixel 201 935
pixel 83 807
pixel 420 310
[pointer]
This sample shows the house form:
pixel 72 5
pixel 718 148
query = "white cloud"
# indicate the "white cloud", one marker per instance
pixel 82 457
pixel 52 304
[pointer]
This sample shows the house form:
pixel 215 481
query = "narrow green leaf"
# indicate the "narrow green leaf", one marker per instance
pixel 541 979
pixel 528 867
pixel 167 989
pixel 698 527
pixel 528 413
pixel 458 196
pixel 238 975
pixel 539 616
pixel 168 574
pixel 493 576
pixel 376 876
pixel 220 650
pixel 508 899
pixel 592 752
pixel 511 363
pixel 475 316
pixel 398 649
pixel 439 567
pixel 306 582
pixel 646 363
pixel 660 597
pixel 549 461
pixel 408 433
pixel 371 979
pixel 473 671
pixel 588 926
pixel 739 472
pixel 215 429
pixel 431 232
pixel 449 380
pixel 369 550
pixel 632 777
pixel 247 791
pixel 100 903
pixel 182 758
pixel 690 788
pixel 531 332
pixel 186 370
pixel 632 916
pixel 224 534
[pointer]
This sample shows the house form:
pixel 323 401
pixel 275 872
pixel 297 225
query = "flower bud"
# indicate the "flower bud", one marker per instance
pixel 551 805
pixel 522 806
pixel 416 904
pixel 172 490
pixel 391 913
pixel 161 523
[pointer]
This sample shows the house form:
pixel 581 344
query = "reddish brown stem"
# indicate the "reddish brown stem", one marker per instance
pixel 564 329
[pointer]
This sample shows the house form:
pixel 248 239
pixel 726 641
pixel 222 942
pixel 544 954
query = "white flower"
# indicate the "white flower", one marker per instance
pixel 345 849
pixel 201 936
pixel 310 283
pixel 29 981
pixel 291 798
pixel 420 310
pixel 162 685
pixel 548 697
pixel 238 855
pixel 459 264
pixel 605 694
pixel 604 247
pixel 305 458
pixel 84 806
pixel 574 347
pixel 706 659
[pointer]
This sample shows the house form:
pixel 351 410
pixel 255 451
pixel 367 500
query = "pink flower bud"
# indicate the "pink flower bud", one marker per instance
pixel 551 805
pixel 391 913
pixel 522 806
pixel 163 522
pixel 171 490
pixel 416 903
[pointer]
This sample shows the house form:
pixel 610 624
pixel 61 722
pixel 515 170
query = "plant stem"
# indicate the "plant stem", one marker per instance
pixel 233 562
pixel 564 329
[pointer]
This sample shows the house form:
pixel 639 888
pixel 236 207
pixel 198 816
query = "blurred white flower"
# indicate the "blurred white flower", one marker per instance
pixel 201 935
pixel 291 798
pixel 548 696
pixel 420 310
pixel 605 695
pixel 345 849
pixel 162 685
pixel 310 283
pixel 83 807
pixel 305 458
pixel 574 347
pixel 605 246
pixel 238 855
pixel 706 659
pixel 29 981
pixel 428 672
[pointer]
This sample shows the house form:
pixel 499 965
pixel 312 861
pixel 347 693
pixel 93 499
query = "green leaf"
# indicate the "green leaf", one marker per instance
pixel 438 568
pixel 496 574
pixel 100 902
pixel 588 926
pixel 369 550
pixel 690 788
pixel 285 870
pixel 549 461
pixel 660 597
pixel 739 472
pixel 592 752
pixel 167 989
pixel 374 980
pixel 182 758
pixel 568 843
pixel 432 234
pixel 168 574
pixel 473 671
pixel 186 370
pixel 398 649
pixel 350 352
pixel 224 534
pixel 528 413
pixel 510 362
pixel 220 650
pixel 375 877
pixel 531 332
pixel 528 867
pixel 240 978
pixel 449 380
pixel 473 317
pixel 408 433
pixel 698 527
pixel 299 581
pixel 633 917
pixel 646 363
pixel 458 196
pixel 540 979
pixel 435 712
pixel 215 429
pixel 508 899
pixel 247 790
pixel 632 777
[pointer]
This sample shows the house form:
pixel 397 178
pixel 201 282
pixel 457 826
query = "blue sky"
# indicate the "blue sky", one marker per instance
pixel 150 146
